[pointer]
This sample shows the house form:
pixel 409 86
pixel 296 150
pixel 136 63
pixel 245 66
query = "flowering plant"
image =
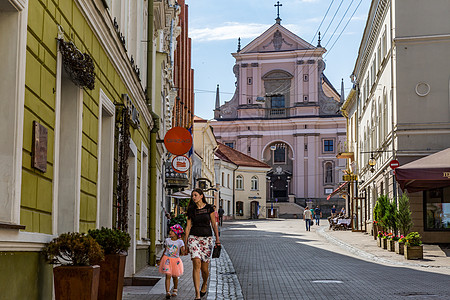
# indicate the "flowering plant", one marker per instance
pixel 402 239
pixel 380 234
pixel 385 235
pixel 375 222
pixel 390 236
pixel 395 237
pixel 413 239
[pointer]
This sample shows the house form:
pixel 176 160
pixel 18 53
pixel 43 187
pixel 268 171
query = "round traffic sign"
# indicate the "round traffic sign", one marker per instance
pixel 181 163
pixel 394 164
pixel 178 140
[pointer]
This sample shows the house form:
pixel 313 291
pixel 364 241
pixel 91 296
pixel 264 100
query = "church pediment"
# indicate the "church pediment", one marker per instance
pixel 276 38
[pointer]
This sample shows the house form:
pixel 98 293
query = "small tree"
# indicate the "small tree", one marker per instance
pixel 380 209
pixel 404 215
pixel 390 217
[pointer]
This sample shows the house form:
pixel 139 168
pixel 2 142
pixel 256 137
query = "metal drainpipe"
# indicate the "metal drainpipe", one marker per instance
pixel 153 137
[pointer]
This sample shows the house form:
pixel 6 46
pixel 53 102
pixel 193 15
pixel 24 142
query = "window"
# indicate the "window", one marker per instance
pixel 305 98
pixel 249 101
pixel 223 179
pixel 254 183
pixel 239 182
pixel 306 77
pixel 239 208
pixel 249 149
pixel 249 80
pixel 306 147
pixel 230 144
pixel 328 146
pixel 328 172
pixel 279 155
pixel 437 209
pixel 277 101
pixel 228 180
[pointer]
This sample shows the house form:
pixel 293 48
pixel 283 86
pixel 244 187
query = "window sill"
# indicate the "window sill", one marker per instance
pixel 11 226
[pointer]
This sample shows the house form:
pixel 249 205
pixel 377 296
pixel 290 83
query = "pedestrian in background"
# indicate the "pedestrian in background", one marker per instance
pixel 170 263
pixel 199 240
pixel 317 214
pixel 307 216
pixel 333 211
pixel 216 214
pixel 221 212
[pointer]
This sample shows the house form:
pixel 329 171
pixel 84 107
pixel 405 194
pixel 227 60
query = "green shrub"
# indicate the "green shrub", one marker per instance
pixel 404 214
pixel 413 239
pixel 180 219
pixel 112 241
pixel 390 216
pixel 380 209
pixel 73 249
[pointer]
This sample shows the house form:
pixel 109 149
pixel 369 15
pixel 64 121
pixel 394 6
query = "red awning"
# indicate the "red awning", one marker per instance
pixel 426 173
pixel 342 186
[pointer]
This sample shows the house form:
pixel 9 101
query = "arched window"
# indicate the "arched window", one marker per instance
pixel 254 183
pixel 239 208
pixel 239 182
pixel 328 172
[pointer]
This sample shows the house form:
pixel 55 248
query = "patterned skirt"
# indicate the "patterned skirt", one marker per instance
pixel 200 247
pixel 172 266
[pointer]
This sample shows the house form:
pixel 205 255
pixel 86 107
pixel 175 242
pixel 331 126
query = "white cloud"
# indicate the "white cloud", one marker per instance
pixel 231 30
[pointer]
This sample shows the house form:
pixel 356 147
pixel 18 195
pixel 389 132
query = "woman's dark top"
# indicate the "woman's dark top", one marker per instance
pixel 200 220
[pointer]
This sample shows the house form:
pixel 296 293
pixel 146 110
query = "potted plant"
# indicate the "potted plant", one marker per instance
pixel 76 277
pixel 380 211
pixel 375 229
pixel 115 243
pixel 379 239
pixel 399 249
pixel 413 246
pixel 391 242
pixel 384 240
pixel 404 215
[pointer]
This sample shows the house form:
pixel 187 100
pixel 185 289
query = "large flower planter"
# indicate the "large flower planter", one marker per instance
pixel 379 243
pixel 399 248
pixel 391 245
pixel 112 271
pixel 76 282
pixel 384 243
pixel 375 231
pixel 413 252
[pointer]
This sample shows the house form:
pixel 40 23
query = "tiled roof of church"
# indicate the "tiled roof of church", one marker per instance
pixel 198 119
pixel 238 158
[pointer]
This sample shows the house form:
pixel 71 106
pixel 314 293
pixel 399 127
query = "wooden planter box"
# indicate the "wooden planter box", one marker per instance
pixel 112 271
pixel 413 252
pixel 391 245
pixel 379 243
pixel 76 282
pixel 375 231
pixel 384 243
pixel 399 248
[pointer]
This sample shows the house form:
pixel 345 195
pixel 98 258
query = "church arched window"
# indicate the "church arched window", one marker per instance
pixel 239 182
pixel 328 172
pixel 254 183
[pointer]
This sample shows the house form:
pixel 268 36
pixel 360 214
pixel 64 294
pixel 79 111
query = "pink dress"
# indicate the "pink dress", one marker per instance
pixel 171 262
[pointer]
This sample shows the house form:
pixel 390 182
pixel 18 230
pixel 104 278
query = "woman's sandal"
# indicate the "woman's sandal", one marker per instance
pixel 174 292
pixel 168 295
pixel 202 294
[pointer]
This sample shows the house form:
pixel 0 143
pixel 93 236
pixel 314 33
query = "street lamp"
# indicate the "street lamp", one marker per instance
pixel 372 163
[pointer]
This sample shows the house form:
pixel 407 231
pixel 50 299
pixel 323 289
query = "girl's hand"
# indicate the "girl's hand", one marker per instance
pixel 217 242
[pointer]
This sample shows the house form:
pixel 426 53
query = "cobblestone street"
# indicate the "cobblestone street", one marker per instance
pixel 278 259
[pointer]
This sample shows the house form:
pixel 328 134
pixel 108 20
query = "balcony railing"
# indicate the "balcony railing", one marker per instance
pixel 277 113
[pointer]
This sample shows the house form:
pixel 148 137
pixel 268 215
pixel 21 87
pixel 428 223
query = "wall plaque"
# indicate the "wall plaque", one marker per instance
pixel 39 150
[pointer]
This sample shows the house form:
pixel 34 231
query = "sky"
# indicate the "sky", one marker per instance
pixel 215 26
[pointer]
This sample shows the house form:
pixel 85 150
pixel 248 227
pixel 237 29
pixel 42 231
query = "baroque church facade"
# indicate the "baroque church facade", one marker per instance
pixel 285 113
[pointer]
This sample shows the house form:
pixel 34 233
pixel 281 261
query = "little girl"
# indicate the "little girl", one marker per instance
pixel 170 263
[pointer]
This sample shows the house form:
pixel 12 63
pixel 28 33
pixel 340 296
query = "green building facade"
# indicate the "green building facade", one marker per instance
pixel 62 131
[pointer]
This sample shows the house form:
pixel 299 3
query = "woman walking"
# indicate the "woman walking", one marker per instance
pixel 199 239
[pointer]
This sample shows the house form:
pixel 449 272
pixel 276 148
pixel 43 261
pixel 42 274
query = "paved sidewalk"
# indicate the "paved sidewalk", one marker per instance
pixel 223 282
pixel 436 259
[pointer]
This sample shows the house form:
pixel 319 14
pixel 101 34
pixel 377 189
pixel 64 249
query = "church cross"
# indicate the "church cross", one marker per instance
pixel 278 8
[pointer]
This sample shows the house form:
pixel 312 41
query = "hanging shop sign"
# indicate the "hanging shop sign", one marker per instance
pixel 181 163
pixel 178 140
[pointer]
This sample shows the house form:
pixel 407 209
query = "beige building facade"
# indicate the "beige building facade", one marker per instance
pixel 399 107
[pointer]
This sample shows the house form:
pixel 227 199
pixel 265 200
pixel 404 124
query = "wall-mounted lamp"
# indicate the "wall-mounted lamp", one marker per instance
pixel 273 147
pixel 372 163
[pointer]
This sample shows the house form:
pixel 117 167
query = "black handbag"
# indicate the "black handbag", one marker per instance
pixel 216 251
